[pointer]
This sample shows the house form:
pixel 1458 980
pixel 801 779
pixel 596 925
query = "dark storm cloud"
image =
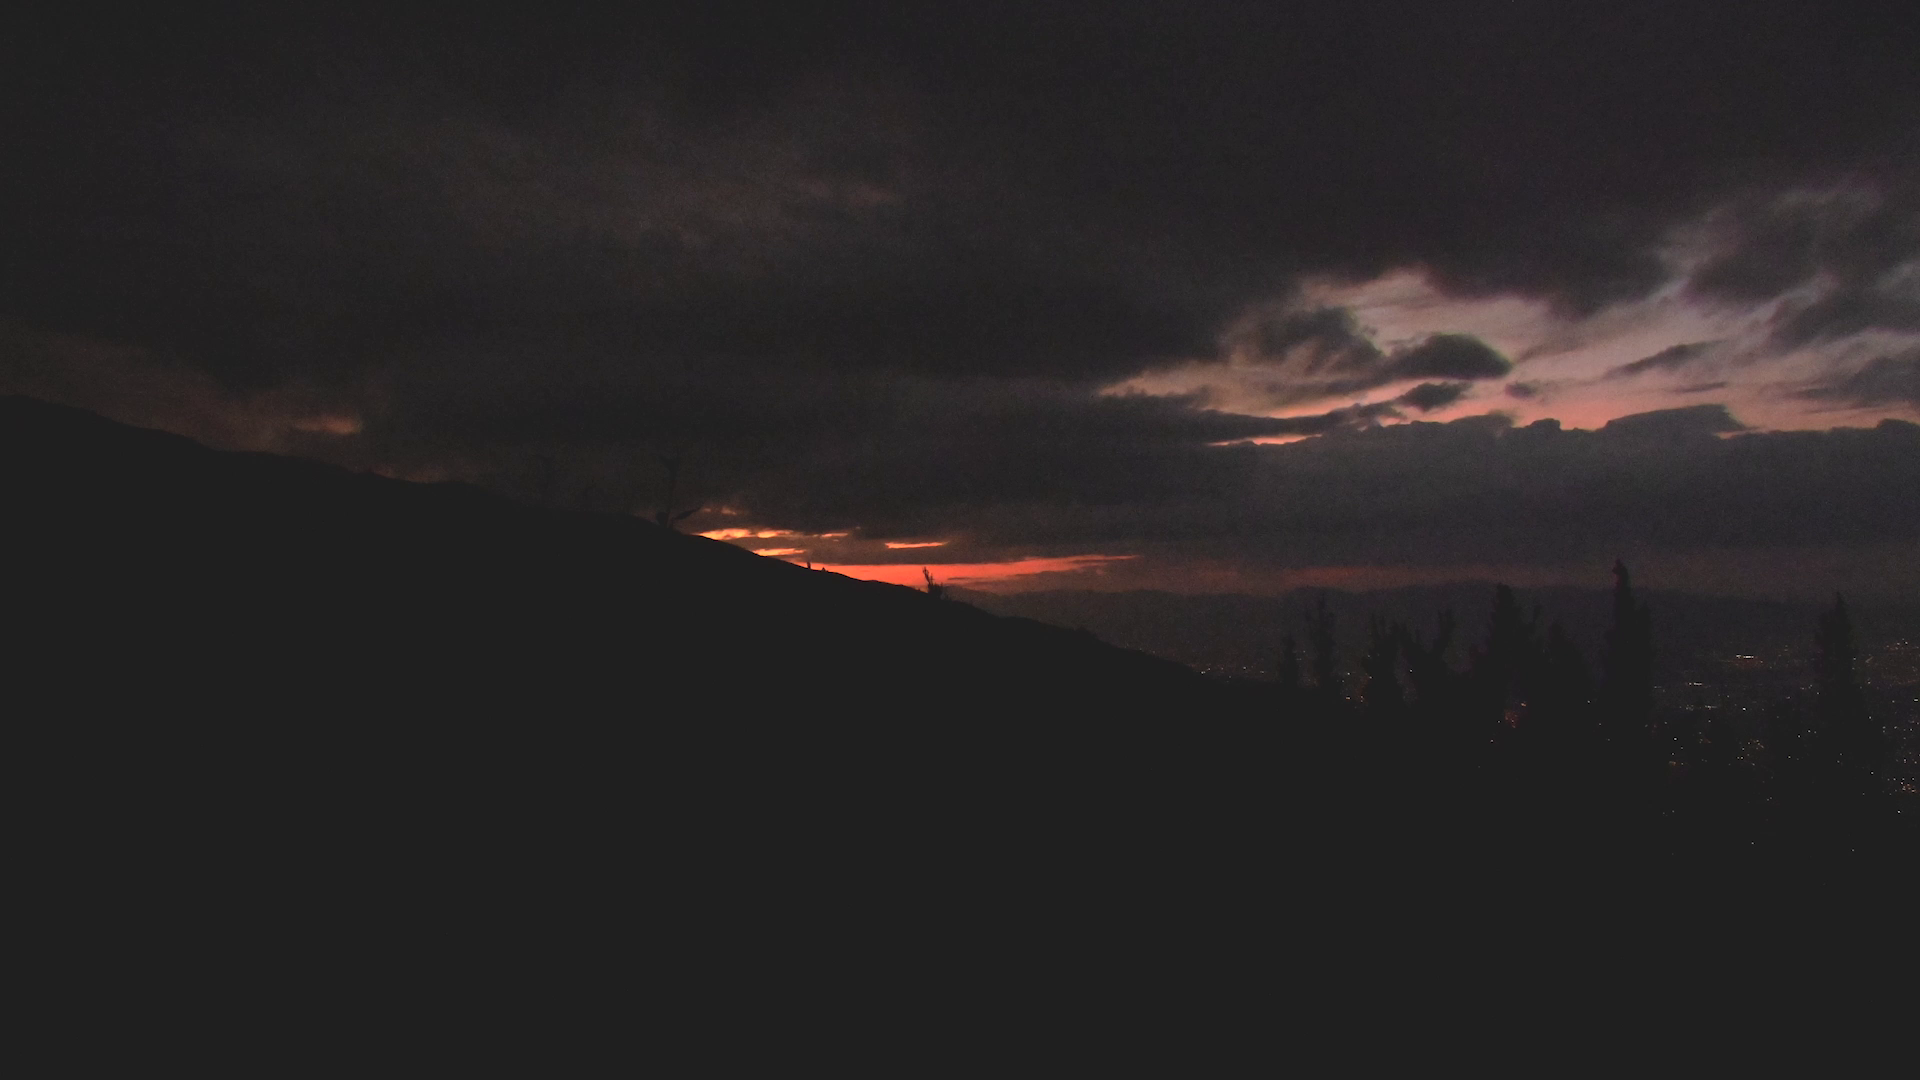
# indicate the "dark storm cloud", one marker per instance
pixel 1672 358
pixel 1072 191
pixel 1461 492
pixel 1450 356
pixel 1458 358
pixel 1848 250
pixel 359 225
pixel 1847 311
pixel 1884 380
pixel 1139 475
pixel 868 268
pixel 1673 425
pixel 1477 491
pixel 1323 353
pixel 1430 396
pixel 1327 339
pixel 1854 231
pixel 887 453
pixel 1351 417
pixel 1774 246
pixel 387 234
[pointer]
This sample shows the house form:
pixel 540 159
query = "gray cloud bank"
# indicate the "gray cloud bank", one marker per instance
pixel 1477 492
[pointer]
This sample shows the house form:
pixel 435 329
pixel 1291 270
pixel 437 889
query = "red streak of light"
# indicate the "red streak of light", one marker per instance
pixel 972 573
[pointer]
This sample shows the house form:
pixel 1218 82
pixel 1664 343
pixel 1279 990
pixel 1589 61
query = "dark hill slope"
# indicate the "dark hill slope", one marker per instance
pixel 266 654
pixel 243 581
pixel 398 750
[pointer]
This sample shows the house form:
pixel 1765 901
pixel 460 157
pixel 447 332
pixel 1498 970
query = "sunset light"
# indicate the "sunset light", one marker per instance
pixel 985 576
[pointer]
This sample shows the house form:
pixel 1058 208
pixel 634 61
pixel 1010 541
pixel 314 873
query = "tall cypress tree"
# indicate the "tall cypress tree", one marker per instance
pixel 1852 740
pixel 1382 694
pixel 1506 670
pixel 1289 665
pixel 1326 662
pixel 1626 681
pixel 1427 667
pixel 1562 702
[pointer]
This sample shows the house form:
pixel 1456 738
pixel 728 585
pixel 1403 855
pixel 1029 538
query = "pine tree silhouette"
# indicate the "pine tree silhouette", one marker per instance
pixel 1563 699
pixel 1326 663
pixel 1383 696
pixel 1289 665
pixel 1427 669
pixel 1851 741
pixel 1626 686
pixel 1506 670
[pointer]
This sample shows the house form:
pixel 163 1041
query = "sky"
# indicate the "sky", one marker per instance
pixel 1033 295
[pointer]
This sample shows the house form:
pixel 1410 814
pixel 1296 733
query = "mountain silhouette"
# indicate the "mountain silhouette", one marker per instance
pixel 265 584
pixel 416 736
pixel 217 653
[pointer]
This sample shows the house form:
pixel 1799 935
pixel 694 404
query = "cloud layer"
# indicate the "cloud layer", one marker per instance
pixel 1050 282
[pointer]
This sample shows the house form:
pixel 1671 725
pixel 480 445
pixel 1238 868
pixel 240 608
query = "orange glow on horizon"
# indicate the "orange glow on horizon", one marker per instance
pixel 973 574
pixel 746 534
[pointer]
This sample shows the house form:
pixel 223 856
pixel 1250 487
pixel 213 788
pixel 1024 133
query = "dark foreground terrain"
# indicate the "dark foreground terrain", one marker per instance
pixel 321 722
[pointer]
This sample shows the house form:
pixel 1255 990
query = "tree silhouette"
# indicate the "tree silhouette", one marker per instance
pixel 1383 696
pixel 1507 669
pixel 1851 740
pixel 1427 669
pixel 1626 686
pixel 667 517
pixel 1289 666
pixel 1326 663
pixel 1561 701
